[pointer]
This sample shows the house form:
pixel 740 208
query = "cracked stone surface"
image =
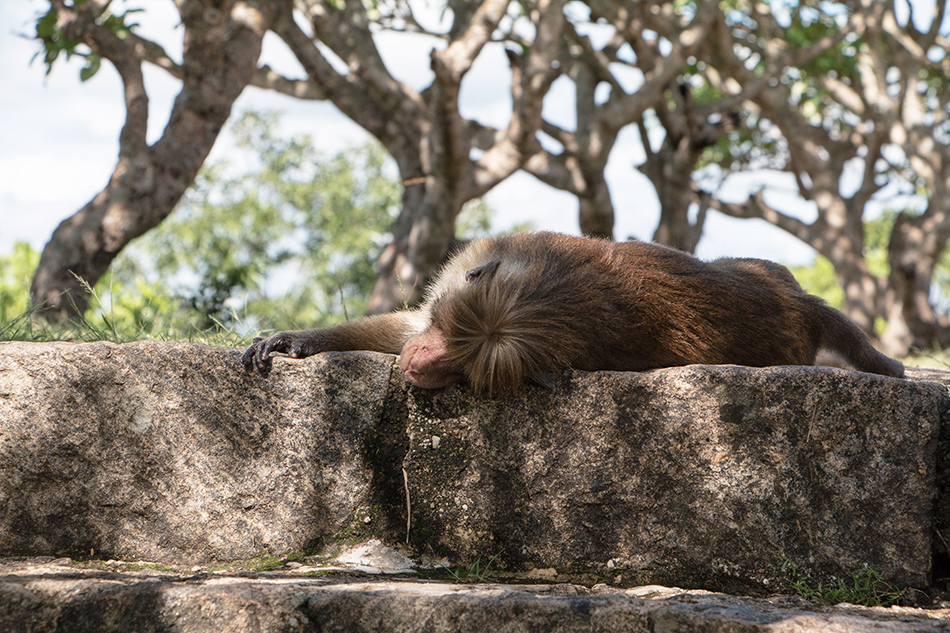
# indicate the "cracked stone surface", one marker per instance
pixel 700 477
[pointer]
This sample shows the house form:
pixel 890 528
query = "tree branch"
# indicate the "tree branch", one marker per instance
pixel 267 79
pixel 347 32
pixel 561 172
pixel 356 96
pixel 532 76
pixel 81 23
pixel 756 207
pixel 458 58
pixel 149 51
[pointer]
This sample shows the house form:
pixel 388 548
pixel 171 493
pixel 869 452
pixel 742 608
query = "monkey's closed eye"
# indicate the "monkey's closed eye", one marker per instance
pixel 485 270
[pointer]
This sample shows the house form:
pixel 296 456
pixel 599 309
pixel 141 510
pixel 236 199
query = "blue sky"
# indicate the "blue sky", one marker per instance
pixel 58 140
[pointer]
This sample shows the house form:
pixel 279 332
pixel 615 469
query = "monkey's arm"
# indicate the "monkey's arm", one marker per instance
pixel 383 333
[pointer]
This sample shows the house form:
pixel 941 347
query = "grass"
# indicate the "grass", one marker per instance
pixel 29 328
pixel 265 562
pixel 115 320
pixel 930 359
pixel 477 572
pixel 866 587
pixel 152 566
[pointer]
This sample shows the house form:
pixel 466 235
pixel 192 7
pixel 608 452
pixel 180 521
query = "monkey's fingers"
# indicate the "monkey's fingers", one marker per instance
pixel 279 343
pixel 258 355
pixel 295 344
pixel 249 358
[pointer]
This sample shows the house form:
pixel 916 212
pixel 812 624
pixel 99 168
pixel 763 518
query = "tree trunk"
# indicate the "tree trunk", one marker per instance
pixel 861 291
pixel 424 131
pixel 422 238
pixel 432 178
pixel 675 195
pixel 670 170
pixel 913 254
pixel 221 52
pixel 596 210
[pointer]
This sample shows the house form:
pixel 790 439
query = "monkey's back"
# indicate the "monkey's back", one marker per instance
pixel 729 311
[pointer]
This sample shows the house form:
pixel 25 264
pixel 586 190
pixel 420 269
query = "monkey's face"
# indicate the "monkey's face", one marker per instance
pixel 425 361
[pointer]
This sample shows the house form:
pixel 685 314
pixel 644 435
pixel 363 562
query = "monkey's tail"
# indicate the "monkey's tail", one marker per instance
pixel 840 335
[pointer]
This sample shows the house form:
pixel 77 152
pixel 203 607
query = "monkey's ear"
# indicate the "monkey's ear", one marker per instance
pixel 485 271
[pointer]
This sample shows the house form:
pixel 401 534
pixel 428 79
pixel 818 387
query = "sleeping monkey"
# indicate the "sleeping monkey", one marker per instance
pixel 514 308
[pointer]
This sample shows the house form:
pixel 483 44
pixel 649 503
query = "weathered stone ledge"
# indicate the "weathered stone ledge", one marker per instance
pixel 704 477
pixel 45 595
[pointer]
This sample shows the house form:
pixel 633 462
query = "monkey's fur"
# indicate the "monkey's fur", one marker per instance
pixel 510 309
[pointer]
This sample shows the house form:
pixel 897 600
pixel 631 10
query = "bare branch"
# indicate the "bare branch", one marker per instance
pixel 532 77
pixel 756 207
pixel 81 23
pixel 373 99
pixel 598 61
pixel 461 53
pixel 153 53
pixel 562 136
pixel 560 172
pixel 268 79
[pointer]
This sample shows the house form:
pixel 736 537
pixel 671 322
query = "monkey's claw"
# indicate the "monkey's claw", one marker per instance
pixel 293 344
pixel 258 355
pixel 254 358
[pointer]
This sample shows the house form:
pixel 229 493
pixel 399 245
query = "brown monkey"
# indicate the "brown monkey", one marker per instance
pixel 514 308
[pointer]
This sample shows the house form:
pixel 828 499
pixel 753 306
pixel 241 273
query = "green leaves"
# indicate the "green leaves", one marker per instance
pixel 93 62
pixel 288 240
pixel 117 22
pixel 55 42
pixel 16 270
pixel 53 39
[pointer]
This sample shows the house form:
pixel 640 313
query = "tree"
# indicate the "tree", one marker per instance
pixel 281 237
pixel 847 100
pixel 673 51
pixel 308 224
pixel 579 165
pixel 221 47
pixel 704 116
pixel 875 104
pixel 432 144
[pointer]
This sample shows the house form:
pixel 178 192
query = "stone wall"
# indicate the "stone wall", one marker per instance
pixel 705 477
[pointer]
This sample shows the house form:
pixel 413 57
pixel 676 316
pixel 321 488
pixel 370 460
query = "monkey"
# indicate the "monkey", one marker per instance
pixel 511 309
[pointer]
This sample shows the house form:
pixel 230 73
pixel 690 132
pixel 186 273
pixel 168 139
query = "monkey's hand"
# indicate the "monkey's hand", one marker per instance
pixel 294 344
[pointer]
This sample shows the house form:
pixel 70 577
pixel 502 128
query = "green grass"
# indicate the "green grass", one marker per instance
pixel 866 587
pixel 29 328
pixel 120 319
pixel 476 572
pixel 152 566
pixel 265 562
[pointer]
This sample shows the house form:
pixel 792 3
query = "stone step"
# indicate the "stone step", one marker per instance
pixel 46 595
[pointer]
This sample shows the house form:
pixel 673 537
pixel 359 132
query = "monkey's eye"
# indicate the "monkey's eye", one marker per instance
pixel 485 270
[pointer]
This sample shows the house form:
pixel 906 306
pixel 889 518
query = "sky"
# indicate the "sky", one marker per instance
pixel 59 140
